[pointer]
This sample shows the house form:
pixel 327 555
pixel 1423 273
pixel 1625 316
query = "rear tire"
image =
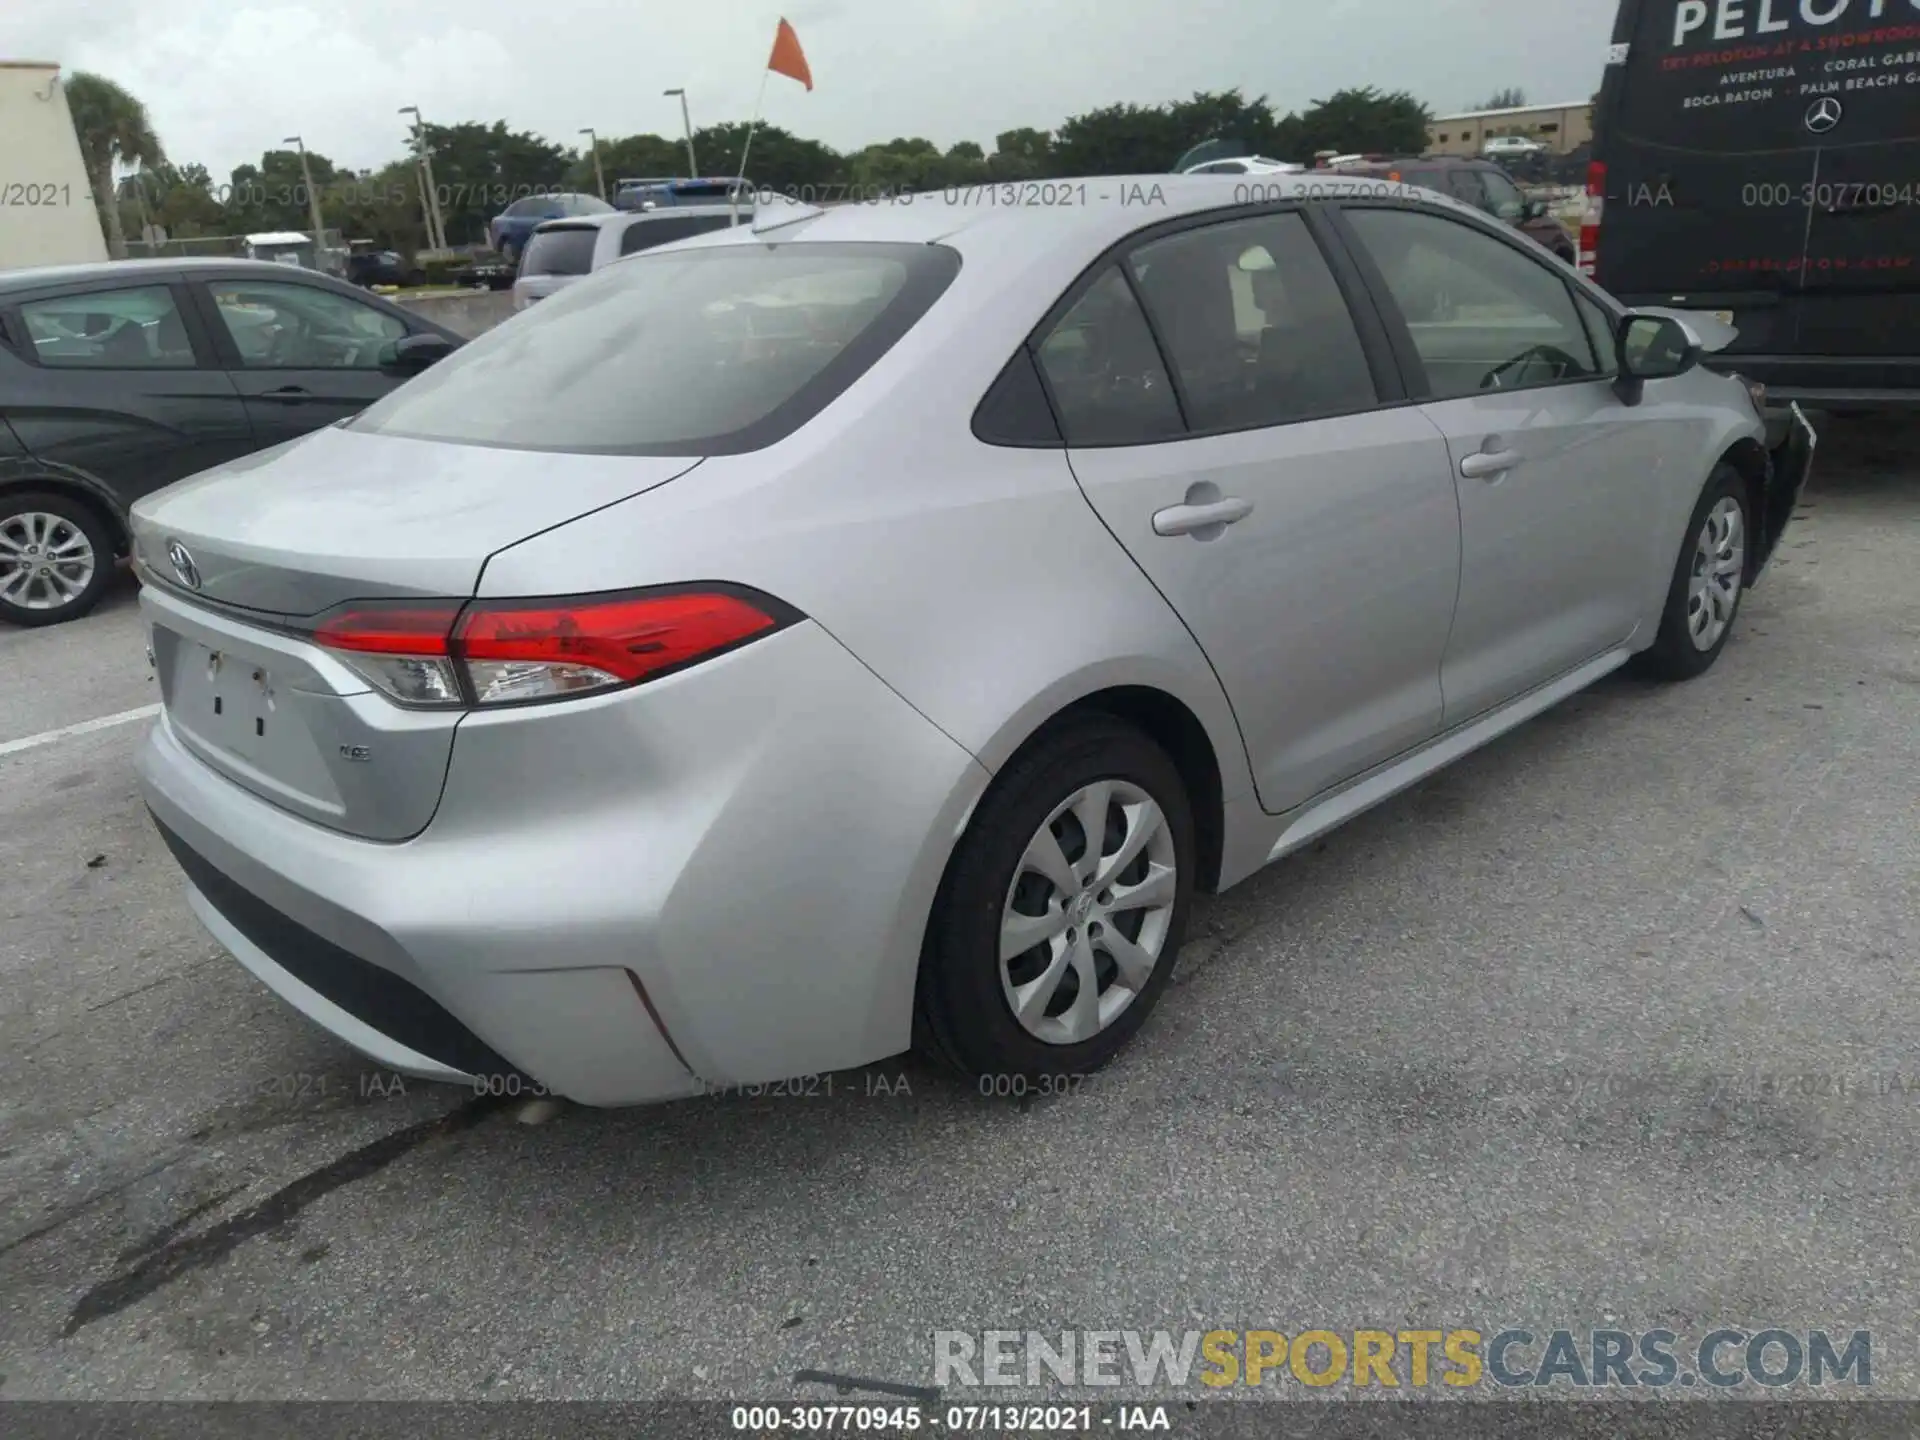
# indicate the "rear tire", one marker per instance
pixel 1709 581
pixel 1105 942
pixel 56 557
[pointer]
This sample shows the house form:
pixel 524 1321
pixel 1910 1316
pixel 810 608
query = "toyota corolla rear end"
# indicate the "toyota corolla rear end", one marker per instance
pixel 544 839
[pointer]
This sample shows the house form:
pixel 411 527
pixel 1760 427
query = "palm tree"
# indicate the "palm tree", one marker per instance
pixel 113 130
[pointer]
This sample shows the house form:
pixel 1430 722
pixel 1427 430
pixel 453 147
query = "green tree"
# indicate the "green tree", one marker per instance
pixel 777 159
pixel 1224 115
pixel 631 157
pixel 1512 98
pixel 114 131
pixel 1124 139
pixel 479 170
pixel 1362 121
pixel 383 205
pixel 1023 154
pixel 273 194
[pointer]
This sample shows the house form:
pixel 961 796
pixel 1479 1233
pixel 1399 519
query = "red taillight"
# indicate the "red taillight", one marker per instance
pixel 1596 211
pixel 496 652
pixel 512 645
pixel 379 630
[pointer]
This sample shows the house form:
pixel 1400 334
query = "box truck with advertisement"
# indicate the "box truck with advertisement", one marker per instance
pixel 1760 160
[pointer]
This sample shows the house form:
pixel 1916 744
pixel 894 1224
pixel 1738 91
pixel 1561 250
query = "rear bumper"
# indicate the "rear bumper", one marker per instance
pixel 719 878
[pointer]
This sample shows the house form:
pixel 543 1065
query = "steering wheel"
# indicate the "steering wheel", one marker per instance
pixel 1560 360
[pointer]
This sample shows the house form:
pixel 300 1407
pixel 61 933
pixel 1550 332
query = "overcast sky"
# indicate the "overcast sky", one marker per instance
pixel 226 79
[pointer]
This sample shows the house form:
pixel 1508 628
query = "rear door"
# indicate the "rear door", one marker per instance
pixel 120 382
pixel 301 356
pixel 1764 159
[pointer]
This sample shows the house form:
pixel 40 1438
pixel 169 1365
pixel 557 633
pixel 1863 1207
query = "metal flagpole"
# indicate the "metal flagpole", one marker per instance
pixel 754 124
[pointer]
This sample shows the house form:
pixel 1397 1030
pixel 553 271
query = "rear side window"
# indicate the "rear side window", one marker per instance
pixel 1254 324
pixel 1731 78
pixel 565 250
pixel 1104 370
pixel 646 234
pixel 136 328
pixel 704 352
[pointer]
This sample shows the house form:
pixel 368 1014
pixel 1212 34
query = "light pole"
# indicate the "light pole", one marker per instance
pixel 686 124
pixel 436 227
pixel 313 196
pixel 599 176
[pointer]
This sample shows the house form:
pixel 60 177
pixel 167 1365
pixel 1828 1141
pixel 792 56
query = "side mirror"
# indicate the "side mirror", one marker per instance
pixel 1653 347
pixel 411 354
pixel 1536 210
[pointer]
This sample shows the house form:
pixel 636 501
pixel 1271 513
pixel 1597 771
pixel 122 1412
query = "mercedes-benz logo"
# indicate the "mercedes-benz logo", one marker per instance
pixel 1824 115
pixel 181 559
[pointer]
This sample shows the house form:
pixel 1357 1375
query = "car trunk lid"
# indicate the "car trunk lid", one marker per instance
pixel 241 559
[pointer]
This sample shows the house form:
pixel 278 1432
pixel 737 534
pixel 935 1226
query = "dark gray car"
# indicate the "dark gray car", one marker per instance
pixel 118 379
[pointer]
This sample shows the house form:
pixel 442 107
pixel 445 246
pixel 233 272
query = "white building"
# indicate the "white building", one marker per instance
pixel 47 214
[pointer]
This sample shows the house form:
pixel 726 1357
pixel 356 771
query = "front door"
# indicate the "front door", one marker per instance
pixel 1308 537
pixel 1555 476
pixel 302 356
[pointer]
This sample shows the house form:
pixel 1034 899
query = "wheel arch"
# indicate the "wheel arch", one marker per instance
pixel 1748 458
pixel 1173 725
pixel 36 477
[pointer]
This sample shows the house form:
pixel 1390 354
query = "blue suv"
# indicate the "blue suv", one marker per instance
pixel 507 232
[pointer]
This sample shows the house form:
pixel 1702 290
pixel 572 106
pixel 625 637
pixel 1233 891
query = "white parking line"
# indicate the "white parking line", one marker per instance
pixel 104 722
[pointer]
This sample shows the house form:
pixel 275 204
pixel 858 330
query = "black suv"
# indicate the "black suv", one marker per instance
pixel 117 379
pixel 1479 183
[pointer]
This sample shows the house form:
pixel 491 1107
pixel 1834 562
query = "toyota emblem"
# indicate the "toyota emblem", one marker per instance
pixel 181 559
pixel 1824 115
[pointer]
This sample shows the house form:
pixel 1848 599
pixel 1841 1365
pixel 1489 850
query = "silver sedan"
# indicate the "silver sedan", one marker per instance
pixel 869 627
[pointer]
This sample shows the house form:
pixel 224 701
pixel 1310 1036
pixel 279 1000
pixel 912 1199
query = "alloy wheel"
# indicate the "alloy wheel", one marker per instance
pixel 46 561
pixel 1087 916
pixel 1719 564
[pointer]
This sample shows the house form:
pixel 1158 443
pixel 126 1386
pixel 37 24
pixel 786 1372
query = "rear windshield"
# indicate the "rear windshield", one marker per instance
pixel 645 234
pixel 1732 78
pixel 702 352
pixel 566 250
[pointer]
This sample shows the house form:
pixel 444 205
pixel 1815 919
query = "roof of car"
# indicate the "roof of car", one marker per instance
pixel 34 277
pixel 1095 210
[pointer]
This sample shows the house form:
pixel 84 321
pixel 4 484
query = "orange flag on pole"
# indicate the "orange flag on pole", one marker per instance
pixel 788 58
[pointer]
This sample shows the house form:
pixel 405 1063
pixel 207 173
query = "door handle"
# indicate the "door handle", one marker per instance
pixel 1489 463
pixel 288 394
pixel 1191 519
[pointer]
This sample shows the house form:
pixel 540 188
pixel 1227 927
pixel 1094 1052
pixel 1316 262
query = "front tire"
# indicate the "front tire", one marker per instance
pixel 56 558
pixel 1709 580
pixel 1062 910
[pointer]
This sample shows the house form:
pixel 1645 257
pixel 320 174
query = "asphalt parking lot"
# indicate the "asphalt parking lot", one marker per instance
pixel 1490 1055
